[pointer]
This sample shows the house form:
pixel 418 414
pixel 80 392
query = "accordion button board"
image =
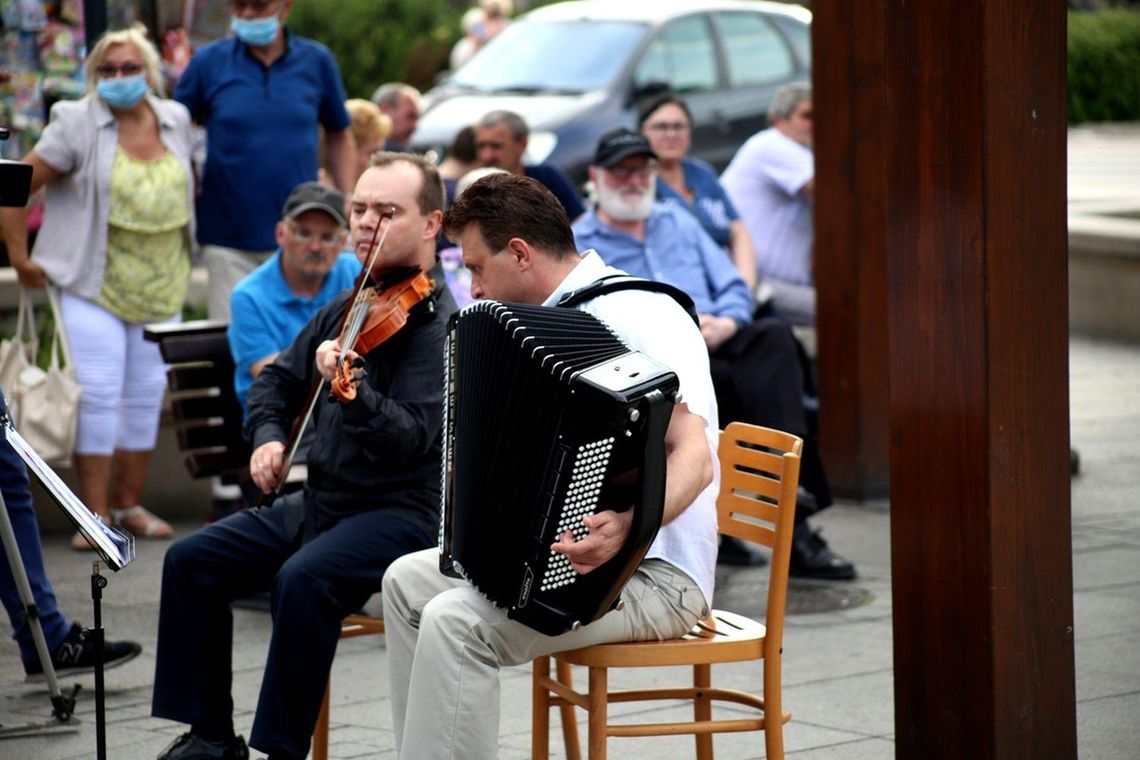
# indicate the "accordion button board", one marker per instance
pixel 549 417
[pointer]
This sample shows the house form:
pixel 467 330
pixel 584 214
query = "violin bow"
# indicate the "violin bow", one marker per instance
pixel 302 421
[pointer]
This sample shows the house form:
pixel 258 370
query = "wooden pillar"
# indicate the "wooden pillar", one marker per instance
pixel 850 143
pixel 978 372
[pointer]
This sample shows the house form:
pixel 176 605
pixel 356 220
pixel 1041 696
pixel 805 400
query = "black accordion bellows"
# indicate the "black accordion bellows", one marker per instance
pixel 549 417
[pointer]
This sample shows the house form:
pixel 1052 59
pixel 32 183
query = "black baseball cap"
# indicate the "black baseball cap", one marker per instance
pixel 313 196
pixel 619 144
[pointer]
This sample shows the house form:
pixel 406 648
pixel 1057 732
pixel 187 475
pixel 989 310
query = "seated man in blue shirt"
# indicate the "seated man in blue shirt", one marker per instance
pixel 271 305
pixel 500 140
pixel 755 369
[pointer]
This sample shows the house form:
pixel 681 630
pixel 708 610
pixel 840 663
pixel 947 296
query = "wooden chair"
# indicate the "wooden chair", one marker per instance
pixel 208 419
pixel 759 477
pixel 350 627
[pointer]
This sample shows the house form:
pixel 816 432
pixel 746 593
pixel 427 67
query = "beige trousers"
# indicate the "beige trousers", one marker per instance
pixel 225 266
pixel 446 644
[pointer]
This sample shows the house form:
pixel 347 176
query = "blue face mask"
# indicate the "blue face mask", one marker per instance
pixel 257 32
pixel 122 92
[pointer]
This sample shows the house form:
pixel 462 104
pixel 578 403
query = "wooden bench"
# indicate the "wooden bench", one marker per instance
pixel 206 411
pixel 208 419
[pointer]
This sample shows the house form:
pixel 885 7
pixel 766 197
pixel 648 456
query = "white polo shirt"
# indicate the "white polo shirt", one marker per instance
pixel 656 325
pixel 764 181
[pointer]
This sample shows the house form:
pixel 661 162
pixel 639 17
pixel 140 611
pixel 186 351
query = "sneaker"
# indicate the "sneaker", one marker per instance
pixel 76 654
pixel 811 557
pixel 190 746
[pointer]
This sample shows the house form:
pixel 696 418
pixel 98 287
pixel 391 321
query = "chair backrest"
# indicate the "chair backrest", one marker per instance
pixel 203 402
pixel 759 477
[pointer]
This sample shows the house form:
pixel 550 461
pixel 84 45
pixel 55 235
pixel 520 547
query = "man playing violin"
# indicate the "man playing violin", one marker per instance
pixel 372 493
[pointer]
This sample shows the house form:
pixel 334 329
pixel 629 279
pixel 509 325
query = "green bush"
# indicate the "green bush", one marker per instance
pixel 377 41
pixel 1104 65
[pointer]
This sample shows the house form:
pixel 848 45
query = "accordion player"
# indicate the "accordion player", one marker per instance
pixel 548 417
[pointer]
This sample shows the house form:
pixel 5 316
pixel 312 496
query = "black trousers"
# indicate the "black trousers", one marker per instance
pixel 759 379
pixel 313 586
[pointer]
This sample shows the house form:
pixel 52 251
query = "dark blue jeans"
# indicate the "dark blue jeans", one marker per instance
pixel 18 501
pixel 313 586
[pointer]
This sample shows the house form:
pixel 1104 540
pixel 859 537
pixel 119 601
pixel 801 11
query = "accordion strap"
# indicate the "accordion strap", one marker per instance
pixel 616 282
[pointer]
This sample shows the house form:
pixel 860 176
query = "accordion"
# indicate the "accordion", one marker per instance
pixel 548 417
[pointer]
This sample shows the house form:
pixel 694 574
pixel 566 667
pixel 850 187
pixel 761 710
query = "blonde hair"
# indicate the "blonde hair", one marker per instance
pixel 152 64
pixel 368 121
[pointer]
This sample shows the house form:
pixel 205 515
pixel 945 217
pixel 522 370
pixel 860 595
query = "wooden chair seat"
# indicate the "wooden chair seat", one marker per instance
pixel 722 637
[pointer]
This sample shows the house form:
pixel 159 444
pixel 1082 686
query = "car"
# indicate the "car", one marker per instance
pixel 575 70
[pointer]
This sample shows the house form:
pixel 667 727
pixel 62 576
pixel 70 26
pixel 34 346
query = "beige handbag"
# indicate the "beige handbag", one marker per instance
pixel 18 352
pixel 47 402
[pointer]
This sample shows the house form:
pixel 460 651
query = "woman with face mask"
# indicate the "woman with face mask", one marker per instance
pixel 115 241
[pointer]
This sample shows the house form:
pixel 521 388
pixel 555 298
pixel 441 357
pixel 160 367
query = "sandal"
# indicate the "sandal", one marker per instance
pixel 142 522
pixel 80 544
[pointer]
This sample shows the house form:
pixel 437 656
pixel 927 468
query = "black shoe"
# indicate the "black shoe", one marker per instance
pixel 736 553
pixel 190 746
pixel 76 654
pixel 811 558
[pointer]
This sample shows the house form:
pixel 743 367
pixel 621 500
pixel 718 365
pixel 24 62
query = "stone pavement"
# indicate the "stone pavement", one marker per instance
pixel 837 664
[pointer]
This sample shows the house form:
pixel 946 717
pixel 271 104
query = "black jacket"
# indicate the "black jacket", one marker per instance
pixel 382 450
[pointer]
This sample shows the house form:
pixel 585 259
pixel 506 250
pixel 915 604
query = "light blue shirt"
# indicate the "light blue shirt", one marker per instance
pixel 676 251
pixel 266 316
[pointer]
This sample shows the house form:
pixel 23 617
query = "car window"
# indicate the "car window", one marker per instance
pixel 682 56
pixel 537 56
pixel 754 51
pixel 799 34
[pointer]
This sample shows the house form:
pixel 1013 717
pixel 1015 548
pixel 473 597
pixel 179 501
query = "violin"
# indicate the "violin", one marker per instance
pixel 375 316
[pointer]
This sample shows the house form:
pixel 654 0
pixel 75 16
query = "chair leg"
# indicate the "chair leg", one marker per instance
pixel 540 711
pixel 773 710
pixel 321 731
pixel 569 720
pixel 599 684
pixel 702 709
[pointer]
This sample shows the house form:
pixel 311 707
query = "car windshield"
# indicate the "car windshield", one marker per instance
pixel 546 56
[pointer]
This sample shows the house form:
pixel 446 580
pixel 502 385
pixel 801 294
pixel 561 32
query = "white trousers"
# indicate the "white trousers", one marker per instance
pixel 446 643
pixel 224 268
pixel 122 376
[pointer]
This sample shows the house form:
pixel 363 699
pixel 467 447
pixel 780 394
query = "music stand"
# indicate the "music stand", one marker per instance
pixel 115 547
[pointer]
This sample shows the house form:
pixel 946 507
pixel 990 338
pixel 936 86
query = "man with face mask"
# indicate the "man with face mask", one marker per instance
pixel 260 94
pixel 755 367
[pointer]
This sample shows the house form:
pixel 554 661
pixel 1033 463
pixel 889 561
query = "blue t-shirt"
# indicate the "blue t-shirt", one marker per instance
pixel 710 205
pixel 676 251
pixel 261 133
pixel 558 183
pixel 265 315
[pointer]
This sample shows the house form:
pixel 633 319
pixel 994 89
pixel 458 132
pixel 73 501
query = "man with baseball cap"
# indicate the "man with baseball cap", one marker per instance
pixel 755 366
pixel 271 304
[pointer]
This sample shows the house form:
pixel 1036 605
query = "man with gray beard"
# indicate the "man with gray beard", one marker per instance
pixel 755 367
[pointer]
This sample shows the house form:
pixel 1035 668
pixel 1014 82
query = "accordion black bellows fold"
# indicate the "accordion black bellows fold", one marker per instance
pixel 548 417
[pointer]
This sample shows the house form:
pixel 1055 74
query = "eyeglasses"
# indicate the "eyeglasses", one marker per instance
pixel 663 127
pixel 108 70
pixel 257 6
pixel 625 173
pixel 305 237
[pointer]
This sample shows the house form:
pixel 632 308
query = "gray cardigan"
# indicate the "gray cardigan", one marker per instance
pixel 80 141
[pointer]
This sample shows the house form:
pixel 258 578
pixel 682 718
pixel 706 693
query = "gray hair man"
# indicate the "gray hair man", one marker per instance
pixel 501 139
